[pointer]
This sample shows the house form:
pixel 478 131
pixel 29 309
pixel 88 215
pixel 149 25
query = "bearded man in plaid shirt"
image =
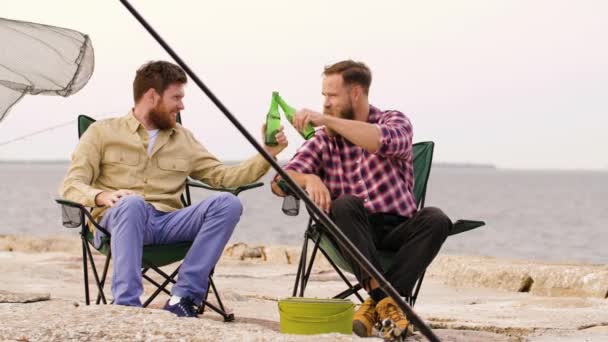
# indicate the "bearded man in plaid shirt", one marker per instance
pixel 358 167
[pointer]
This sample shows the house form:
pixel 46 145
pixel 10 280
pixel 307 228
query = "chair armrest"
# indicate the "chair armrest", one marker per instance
pixel 462 226
pixel 73 215
pixel 70 203
pixel 235 191
pixel 291 207
pixel 291 203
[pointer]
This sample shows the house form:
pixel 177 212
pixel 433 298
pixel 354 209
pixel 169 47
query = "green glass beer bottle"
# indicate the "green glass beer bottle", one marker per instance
pixel 308 131
pixel 273 121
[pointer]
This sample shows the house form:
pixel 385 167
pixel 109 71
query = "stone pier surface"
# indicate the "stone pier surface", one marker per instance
pixel 463 298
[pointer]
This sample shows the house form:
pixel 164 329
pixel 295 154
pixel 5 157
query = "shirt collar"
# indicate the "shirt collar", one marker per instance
pixel 374 114
pixel 134 124
pixel 132 121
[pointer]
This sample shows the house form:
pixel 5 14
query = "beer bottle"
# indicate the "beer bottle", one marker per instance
pixel 308 131
pixel 273 121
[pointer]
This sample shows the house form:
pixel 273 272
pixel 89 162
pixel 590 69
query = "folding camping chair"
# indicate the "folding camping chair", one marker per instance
pixel 318 234
pixel 75 215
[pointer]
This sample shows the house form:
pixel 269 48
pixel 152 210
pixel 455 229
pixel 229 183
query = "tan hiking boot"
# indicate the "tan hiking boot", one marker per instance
pixel 388 309
pixel 365 318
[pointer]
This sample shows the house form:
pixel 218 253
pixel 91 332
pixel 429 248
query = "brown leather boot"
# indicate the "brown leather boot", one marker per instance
pixel 365 318
pixel 387 308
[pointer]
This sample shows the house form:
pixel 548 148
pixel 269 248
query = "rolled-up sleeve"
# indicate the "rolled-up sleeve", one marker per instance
pixel 395 135
pixel 83 170
pixel 210 170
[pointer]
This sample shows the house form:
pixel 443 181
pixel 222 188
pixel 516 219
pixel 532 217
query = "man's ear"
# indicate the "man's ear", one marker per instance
pixel 151 97
pixel 356 91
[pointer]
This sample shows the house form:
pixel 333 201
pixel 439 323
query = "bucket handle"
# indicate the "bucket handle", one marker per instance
pixel 314 319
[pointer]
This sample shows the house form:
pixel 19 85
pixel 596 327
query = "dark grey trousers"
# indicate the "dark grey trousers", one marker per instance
pixel 415 241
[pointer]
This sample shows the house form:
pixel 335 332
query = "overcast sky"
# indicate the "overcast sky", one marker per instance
pixel 519 84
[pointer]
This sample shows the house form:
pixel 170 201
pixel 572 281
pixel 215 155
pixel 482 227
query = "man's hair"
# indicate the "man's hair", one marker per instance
pixel 158 75
pixel 352 73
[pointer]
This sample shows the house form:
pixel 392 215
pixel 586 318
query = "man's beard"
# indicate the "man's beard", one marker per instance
pixel 347 113
pixel 161 117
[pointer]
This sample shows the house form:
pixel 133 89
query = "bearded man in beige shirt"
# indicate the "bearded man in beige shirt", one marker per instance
pixel 133 169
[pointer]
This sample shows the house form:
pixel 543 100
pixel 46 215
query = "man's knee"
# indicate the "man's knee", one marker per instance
pixel 129 206
pixel 125 212
pixel 131 202
pixel 346 204
pixel 437 221
pixel 230 203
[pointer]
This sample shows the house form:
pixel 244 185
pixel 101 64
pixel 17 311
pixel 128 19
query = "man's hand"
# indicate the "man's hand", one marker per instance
pixel 318 192
pixel 108 199
pixel 276 189
pixel 281 139
pixel 305 116
pixel 312 184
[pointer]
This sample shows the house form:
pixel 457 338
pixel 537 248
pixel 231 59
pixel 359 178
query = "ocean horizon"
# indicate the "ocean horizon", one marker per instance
pixel 548 215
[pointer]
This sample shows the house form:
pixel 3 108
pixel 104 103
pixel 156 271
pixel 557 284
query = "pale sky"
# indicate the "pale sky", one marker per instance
pixel 519 84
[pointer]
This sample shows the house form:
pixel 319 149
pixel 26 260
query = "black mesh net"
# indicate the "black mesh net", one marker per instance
pixel 291 205
pixel 40 59
pixel 71 217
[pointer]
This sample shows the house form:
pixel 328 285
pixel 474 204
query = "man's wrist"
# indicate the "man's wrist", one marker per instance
pixel 327 120
pixel 308 178
pixel 95 199
pixel 270 150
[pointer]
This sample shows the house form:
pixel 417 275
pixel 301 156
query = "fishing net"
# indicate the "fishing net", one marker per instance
pixel 40 59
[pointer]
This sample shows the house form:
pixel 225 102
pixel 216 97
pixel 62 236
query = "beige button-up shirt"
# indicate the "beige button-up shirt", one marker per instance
pixel 112 154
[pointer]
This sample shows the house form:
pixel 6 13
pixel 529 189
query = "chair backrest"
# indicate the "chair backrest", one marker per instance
pixel 423 158
pixel 85 121
pixel 83 124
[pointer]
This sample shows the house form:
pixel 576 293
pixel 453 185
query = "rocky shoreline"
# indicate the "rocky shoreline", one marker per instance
pixel 464 298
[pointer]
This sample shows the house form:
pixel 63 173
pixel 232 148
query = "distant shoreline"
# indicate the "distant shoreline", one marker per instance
pixel 281 162
pixel 438 165
pixel 464 165
pixel 34 161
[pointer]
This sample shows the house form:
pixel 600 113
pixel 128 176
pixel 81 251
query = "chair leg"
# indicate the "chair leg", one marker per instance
pixel 353 289
pixel 162 287
pixel 300 267
pixel 170 278
pixel 104 274
pixel 303 262
pixel 153 282
pixel 94 269
pixel 201 309
pixel 85 270
pixel 217 295
pixel 303 273
pixel 350 291
pixel 310 264
pixel 228 317
pixel 414 296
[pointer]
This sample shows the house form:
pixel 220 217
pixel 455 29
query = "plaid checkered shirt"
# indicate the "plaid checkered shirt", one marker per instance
pixel 384 180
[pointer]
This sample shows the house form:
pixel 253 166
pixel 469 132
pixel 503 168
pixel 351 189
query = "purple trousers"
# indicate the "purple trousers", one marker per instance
pixel 135 223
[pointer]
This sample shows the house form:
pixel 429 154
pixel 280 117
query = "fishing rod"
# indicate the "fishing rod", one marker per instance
pixel 40 131
pixel 43 130
pixel 341 239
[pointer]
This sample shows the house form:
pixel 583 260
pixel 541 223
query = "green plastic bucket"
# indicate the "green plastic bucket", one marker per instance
pixel 307 316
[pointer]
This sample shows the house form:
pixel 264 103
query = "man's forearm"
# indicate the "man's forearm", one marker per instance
pixel 77 191
pixel 299 178
pixel 360 133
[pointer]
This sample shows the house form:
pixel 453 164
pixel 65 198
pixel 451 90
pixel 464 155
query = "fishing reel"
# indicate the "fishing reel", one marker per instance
pixel 390 332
